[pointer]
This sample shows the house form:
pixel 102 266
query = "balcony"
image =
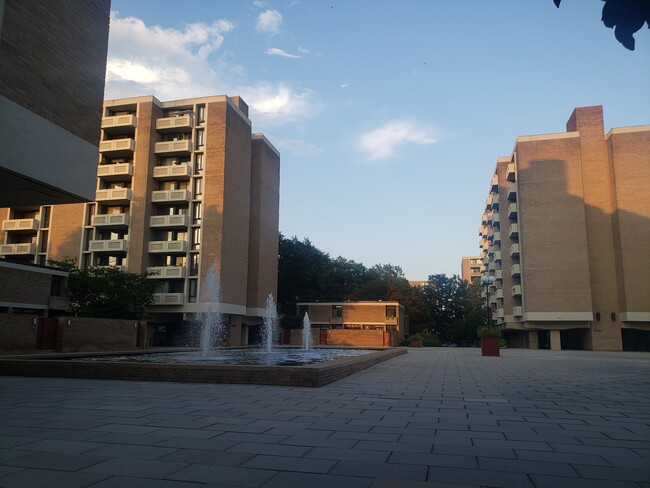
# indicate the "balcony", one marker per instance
pixel 496 238
pixel 21 225
pixel 24 249
pixel 514 250
pixel 516 291
pixel 110 220
pixel 119 124
pixel 115 171
pixel 108 245
pixel 497 256
pixel 391 320
pixel 166 272
pixel 168 298
pixel 169 221
pixel 167 196
pixel 484 218
pixel 517 311
pixel 117 147
pixel 494 202
pixel 118 267
pixel 498 274
pixel 496 218
pixel 118 196
pixel 513 231
pixel 184 123
pixel 512 192
pixel 500 314
pixel 515 270
pixel 168 247
pixel 512 211
pixel 174 147
pixel 181 171
pixel 494 183
pixel 510 172
pixel 482 230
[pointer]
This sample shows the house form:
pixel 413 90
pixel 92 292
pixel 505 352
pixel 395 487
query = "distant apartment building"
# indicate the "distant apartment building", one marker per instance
pixel 182 186
pixel 53 65
pixel 470 268
pixel 363 323
pixel 565 234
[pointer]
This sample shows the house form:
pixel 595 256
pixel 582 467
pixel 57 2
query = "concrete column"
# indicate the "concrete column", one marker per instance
pixel 556 344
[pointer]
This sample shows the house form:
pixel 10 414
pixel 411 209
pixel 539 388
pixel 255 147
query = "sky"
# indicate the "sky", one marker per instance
pixel 389 115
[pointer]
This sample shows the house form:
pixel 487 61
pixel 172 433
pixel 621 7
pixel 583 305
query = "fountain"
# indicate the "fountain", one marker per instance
pixel 270 320
pixel 212 327
pixel 307 339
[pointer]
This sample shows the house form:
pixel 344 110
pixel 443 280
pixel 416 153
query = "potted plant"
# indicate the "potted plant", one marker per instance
pixel 490 336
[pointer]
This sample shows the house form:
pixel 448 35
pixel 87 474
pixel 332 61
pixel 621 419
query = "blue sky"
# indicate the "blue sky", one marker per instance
pixel 389 116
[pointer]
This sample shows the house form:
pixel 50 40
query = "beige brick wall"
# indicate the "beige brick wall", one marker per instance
pixel 90 334
pixel 66 231
pixel 17 333
pixel 19 286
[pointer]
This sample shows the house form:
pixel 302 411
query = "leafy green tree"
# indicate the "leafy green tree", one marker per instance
pixel 445 297
pixel 106 292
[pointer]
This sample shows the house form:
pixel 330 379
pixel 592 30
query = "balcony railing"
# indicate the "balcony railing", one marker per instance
pixel 24 249
pixel 512 211
pixel 500 314
pixel 512 192
pixel 494 183
pixel 169 221
pixel 175 172
pixel 515 270
pixel 168 247
pixel 168 299
pixel 29 225
pixel 166 196
pixel 166 272
pixel 115 171
pixel 117 147
pixel 517 311
pixel 494 202
pixel 510 172
pixel 497 256
pixel 498 274
pixel 184 123
pixel 516 290
pixel 514 250
pixel 108 245
pixel 118 267
pixel 121 196
pixel 174 147
pixel 513 231
pixel 496 238
pixel 110 220
pixel 119 122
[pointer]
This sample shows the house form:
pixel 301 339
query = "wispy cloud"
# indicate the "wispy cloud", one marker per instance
pixel 345 84
pixel 382 143
pixel 269 22
pixel 190 62
pixel 274 51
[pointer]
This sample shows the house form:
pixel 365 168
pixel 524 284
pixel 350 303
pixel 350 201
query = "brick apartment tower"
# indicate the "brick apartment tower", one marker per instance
pixel 181 186
pixel 565 233
pixel 470 268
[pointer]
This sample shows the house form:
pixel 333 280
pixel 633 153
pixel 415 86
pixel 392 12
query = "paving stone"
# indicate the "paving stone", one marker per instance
pixel 133 482
pixel 58 445
pixel 42 478
pixel 217 458
pixel 226 475
pixel 144 468
pixel 283 463
pixel 348 454
pixel 56 461
pixel 310 480
pixel 481 477
pixel 544 481
pixel 381 470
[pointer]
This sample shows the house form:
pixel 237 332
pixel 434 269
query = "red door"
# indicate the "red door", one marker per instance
pixel 323 336
pixel 46 333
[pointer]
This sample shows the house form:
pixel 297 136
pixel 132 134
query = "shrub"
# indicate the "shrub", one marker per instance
pixel 488 331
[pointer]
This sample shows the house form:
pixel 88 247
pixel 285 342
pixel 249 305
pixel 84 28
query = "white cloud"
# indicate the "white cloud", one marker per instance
pixel 269 22
pixel 345 84
pixel 274 51
pixel 280 103
pixel 383 142
pixel 299 147
pixel 182 63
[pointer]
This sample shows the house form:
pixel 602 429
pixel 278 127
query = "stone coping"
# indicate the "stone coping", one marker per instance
pixel 312 375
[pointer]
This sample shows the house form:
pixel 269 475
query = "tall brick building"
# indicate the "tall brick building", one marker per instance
pixel 565 233
pixel 470 268
pixel 181 186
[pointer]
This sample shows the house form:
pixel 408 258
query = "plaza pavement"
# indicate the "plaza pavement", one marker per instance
pixel 430 418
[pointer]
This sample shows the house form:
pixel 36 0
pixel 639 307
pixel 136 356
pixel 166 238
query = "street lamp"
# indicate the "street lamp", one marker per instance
pixel 487 281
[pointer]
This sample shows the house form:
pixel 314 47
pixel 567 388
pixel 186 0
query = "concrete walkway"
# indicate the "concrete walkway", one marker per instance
pixel 431 418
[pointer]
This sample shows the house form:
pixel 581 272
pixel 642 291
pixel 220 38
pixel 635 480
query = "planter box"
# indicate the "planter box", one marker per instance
pixel 489 346
pixel 415 344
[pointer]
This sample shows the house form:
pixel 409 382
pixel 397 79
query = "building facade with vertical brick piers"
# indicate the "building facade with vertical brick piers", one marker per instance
pixel 182 186
pixel 470 268
pixel 565 233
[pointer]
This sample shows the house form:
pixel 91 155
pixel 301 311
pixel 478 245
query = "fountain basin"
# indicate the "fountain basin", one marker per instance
pixel 96 366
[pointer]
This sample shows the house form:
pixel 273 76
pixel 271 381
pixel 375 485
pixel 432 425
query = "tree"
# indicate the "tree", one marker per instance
pixel 106 292
pixel 625 16
pixel 445 297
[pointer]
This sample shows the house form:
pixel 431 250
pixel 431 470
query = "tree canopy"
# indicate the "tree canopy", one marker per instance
pixel 106 292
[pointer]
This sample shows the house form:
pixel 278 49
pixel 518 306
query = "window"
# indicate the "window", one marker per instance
pixel 196 238
pixel 194 264
pixel 45 216
pixel 337 311
pixel 198 163
pixel 192 290
pixel 198 186
pixel 200 138
pixel 391 311
pixel 200 113
pixel 197 214
pixel 90 211
pixel 43 244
